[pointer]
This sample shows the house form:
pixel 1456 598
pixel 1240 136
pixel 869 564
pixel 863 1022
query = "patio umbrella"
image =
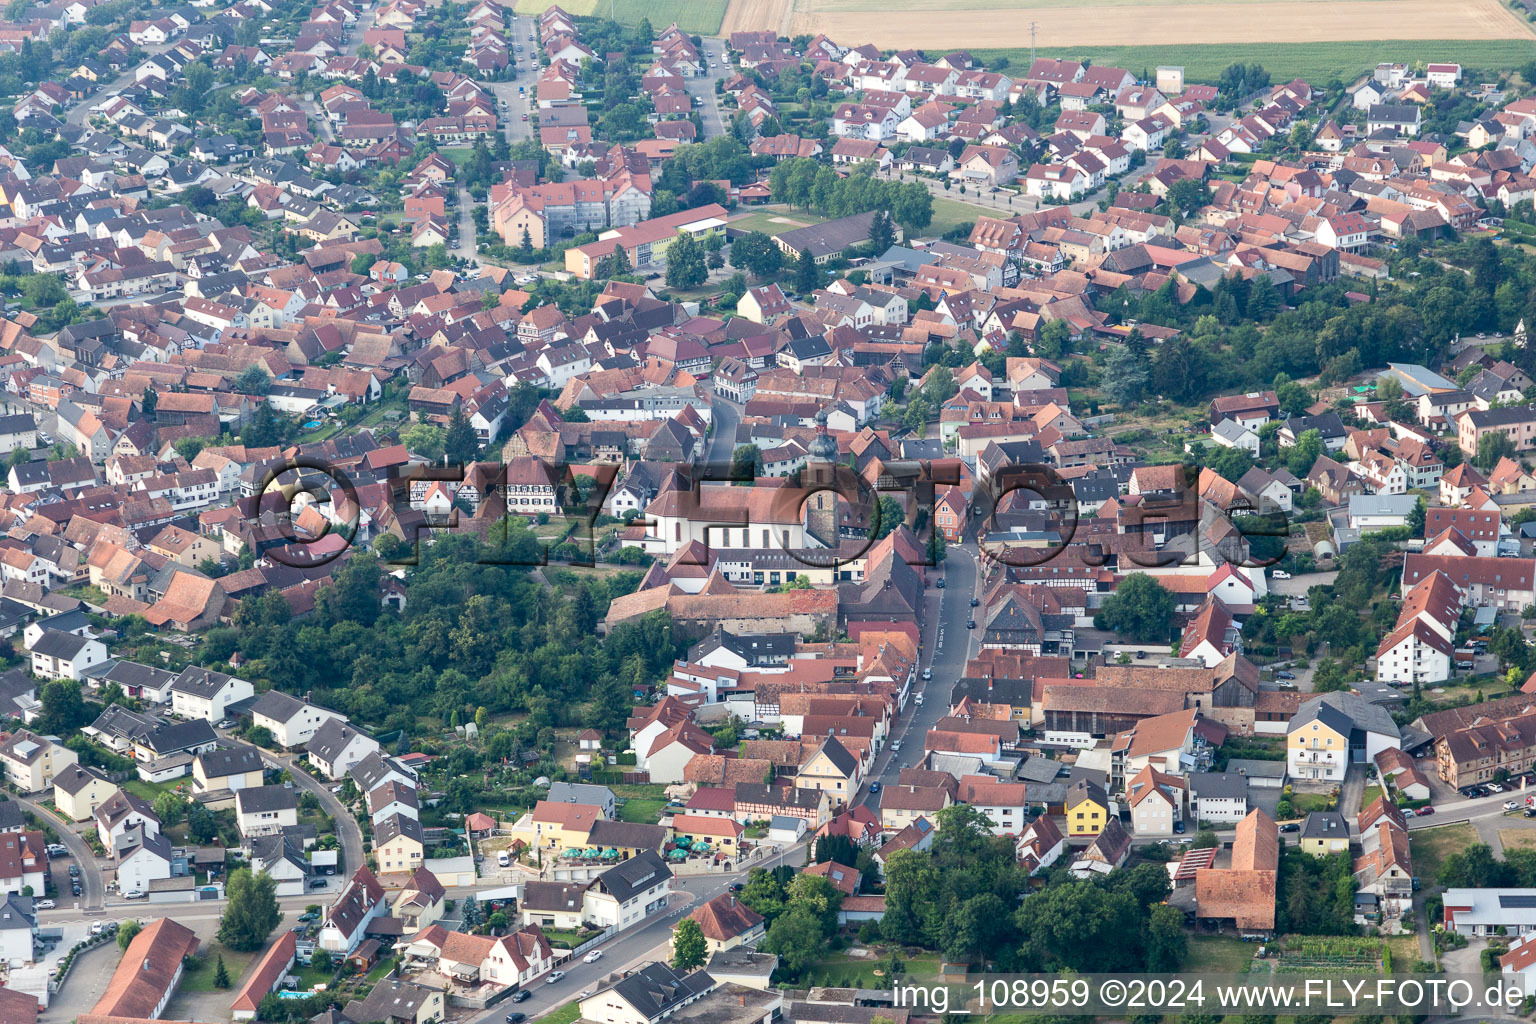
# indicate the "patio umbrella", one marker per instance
pixel 679 854
pixel 610 854
pixel 589 853
pixel 570 853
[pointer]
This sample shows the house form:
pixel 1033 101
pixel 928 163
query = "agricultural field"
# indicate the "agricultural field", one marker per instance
pixel 702 17
pixel 1315 62
pixel 1092 25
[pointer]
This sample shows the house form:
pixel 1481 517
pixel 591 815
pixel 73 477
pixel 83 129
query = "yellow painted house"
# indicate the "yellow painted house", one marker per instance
pixel 1325 832
pixel 397 845
pixel 1087 809
pixel 832 769
pixel 79 790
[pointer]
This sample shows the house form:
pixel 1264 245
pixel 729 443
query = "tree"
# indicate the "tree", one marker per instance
pixel 1492 447
pixel 125 933
pixel 688 947
pixel 470 912
pixel 424 439
pixel 685 263
pixel 254 380
pixel 1139 609
pixel 460 443
pixel 807 273
pixel 746 462
pixel 1125 377
pixel 882 233
pixel 148 401
pixel 1166 941
pixel 1300 456
pixel 64 710
pixel 891 516
pixel 757 254
pixel 797 939
pixel 363 262
pixel 251 911
pixel 221 974
pixel 170 807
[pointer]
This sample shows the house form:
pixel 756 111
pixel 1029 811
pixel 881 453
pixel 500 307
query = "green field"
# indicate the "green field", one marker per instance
pixel 775 219
pixel 1315 62
pixel 1218 954
pixel 701 17
pixel 947 213
pixel 641 811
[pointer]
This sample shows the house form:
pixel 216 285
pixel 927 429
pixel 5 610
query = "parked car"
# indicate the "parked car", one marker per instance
pixel 975 601
pixel 1178 828
pixel 1285 675
pixel 521 994
pixel 927 673
pixel 74 871
pixel 554 976
pixel 134 894
pixel 940 584
pixel 592 957
pixel 1290 826
pixel 970 623
pixel 1281 574
pixel 44 904
pixel 918 700
pixel 1495 787
pixel 317 883
pixel 1428 810
pixel 874 787
pixel 525 117
pixel 517 1018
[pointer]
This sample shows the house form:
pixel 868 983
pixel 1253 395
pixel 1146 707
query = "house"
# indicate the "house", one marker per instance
pixel 18 927
pixel 1040 844
pixel 23 863
pixel 1218 797
pixel 291 721
pixel 398 844
pixel 344 923
pixel 206 694
pixel 336 748
pixel 1087 808
pixel 628 891
pixel 421 902
pixel 60 655
pixel 506 961
pixel 1324 832
pixel 234 767
pixel 1491 911
pixel 146 978
pixel 651 994
pixel 142 857
pixel 79 790
pixel 1517 966
pixel 397 1002
pixel 1243 893
pixel 831 769
pixel 1157 802
pixel 281 857
pixel 32 762
pixel 121 812
pixel 265 810
pixel 1334 730
pixel 728 923
pixel 268 975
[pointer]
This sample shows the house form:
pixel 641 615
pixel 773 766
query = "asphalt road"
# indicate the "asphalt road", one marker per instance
pixel 722 442
pixel 636 947
pixel 948 645
pixel 93 890
pixel 702 89
pixel 347 829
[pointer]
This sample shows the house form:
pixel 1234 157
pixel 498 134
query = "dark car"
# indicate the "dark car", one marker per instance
pixel 1141 654
pixel 317 883
pixel 516 1018
pixel 970 623
pixel 1285 675
pixel 941 583
pixel 1426 809
pixel 975 602
pixel 1290 826
pixel 1178 828
pixel 874 787
pixel 521 994
pixel 737 887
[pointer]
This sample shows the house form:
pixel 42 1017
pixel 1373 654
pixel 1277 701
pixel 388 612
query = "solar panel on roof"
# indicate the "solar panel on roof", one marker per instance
pixel 1517 902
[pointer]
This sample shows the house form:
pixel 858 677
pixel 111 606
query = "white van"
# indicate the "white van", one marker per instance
pixel 504 859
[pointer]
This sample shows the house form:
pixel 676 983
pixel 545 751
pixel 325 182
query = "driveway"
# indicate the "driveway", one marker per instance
pixel 1299 584
pixel 93 890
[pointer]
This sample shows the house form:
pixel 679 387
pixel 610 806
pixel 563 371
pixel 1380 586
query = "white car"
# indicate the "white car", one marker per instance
pixel 918 700
pixel 98 928
pixel 44 904
pixel 592 957
pixel 554 976
pixel 1511 805
pixel 1281 574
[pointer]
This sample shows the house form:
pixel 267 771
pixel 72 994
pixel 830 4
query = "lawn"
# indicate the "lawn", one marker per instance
pixel 1517 838
pixel 642 811
pixel 842 970
pixel 1215 954
pixel 1430 846
pixel 201 980
pixel 949 213
pixel 701 17
pixel 1306 803
pixel 149 790
pixel 567 1014
pixel 1316 62
pixel 1369 796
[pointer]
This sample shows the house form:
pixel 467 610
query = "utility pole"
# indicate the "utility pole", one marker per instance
pixel 1032 26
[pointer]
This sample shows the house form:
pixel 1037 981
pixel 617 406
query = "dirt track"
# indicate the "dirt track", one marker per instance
pixel 1069 22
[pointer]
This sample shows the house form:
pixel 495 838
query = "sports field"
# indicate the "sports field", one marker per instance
pixel 698 16
pixel 1065 24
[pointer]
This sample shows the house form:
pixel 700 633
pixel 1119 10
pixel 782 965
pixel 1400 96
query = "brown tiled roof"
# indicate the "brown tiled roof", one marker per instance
pixel 725 917
pixel 148 970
